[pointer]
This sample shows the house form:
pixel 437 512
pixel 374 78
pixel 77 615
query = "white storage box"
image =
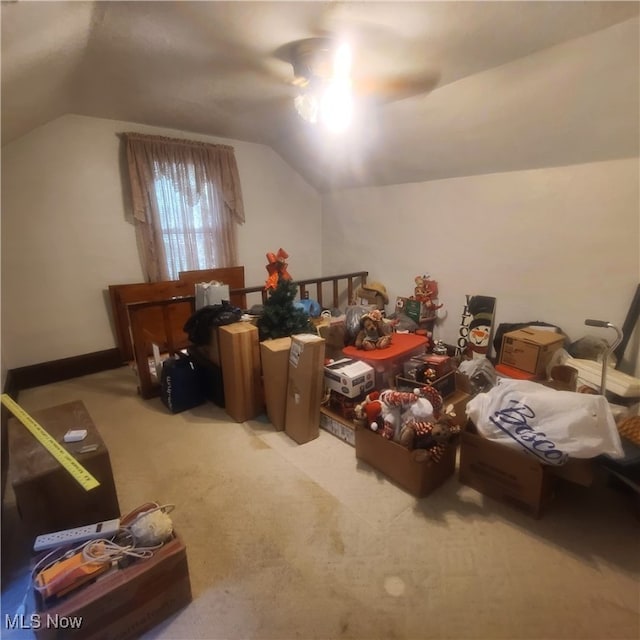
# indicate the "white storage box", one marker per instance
pixel 349 377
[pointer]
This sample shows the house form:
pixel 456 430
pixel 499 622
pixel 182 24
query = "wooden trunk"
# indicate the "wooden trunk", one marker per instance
pixel 48 498
pixel 123 603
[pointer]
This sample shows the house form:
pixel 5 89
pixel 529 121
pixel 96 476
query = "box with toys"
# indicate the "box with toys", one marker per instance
pixel 408 437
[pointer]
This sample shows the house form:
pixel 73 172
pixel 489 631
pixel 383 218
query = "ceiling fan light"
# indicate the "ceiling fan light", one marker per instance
pixel 307 106
pixel 342 62
pixel 336 107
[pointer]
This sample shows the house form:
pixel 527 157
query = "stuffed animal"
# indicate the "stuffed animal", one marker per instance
pixel 428 441
pixel 394 403
pixel 368 412
pixel 426 291
pixel 433 396
pixel 421 410
pixel 372 334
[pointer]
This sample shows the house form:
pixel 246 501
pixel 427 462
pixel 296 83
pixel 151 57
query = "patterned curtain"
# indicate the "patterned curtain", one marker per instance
pixel 186 204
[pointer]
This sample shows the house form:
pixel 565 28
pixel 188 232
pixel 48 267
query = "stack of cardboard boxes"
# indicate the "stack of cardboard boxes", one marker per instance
pixel 303 393
pixel 506 474
pixel 293 385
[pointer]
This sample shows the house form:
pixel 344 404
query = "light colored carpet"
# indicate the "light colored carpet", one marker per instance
pixel 287 541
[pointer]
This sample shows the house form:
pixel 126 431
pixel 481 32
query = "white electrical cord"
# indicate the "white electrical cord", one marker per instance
pixel 104 550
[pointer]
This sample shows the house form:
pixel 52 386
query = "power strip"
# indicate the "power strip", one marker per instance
pixel 104 529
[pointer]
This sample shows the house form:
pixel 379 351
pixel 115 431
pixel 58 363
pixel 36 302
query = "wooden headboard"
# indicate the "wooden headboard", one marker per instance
pixel 123 294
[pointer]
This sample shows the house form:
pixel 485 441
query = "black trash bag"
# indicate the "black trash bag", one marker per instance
pixel 198 326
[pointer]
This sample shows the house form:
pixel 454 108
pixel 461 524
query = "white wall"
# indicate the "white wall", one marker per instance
pixel 558 245
pixel 67 235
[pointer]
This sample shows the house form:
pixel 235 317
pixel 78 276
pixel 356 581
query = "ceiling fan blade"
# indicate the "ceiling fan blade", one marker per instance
pixel 393 88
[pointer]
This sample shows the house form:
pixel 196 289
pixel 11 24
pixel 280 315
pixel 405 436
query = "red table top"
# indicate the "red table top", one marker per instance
pixel 402 344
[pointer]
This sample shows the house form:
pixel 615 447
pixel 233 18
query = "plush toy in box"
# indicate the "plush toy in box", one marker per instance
pixel 414 419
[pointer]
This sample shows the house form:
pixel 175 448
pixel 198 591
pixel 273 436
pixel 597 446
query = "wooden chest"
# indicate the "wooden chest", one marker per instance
pixel 47 496
pixel 123 603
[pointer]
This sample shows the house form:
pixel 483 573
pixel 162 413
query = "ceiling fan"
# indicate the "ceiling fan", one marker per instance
pixel 329 83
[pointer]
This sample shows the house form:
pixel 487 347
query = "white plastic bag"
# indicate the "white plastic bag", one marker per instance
pixel 210 293
pixel 551 425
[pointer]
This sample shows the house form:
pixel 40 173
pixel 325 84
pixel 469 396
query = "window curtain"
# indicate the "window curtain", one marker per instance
pixel 186 200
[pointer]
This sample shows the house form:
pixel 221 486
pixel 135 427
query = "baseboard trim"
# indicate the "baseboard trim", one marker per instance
pixel 36 375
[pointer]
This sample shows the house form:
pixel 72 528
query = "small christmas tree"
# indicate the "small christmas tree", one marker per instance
pixel 280 317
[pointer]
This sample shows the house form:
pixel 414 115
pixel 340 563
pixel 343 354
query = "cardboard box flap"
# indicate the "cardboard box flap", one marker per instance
pixel 536 336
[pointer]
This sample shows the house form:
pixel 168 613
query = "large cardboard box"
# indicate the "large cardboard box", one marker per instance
pixel 340 427
pixel 305 387
pixel 48 498
pixel 275 374
pixel 123 603
pixel 334 333
pixel 530 349
pixel 395 461
pixel 350 377
pixel 503 473
pixel 240 360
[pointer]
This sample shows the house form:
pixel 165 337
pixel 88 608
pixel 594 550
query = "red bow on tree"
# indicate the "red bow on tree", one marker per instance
pixel 277 268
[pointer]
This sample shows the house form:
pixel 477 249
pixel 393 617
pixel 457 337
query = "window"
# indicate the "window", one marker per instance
pixel 187 200
pixel 187 232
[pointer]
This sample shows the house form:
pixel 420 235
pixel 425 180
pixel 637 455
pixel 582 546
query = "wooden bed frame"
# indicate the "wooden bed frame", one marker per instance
pixel 148 314
pixel 146 295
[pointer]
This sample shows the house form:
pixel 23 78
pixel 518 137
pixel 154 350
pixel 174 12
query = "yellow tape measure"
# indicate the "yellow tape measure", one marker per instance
pixel 77 471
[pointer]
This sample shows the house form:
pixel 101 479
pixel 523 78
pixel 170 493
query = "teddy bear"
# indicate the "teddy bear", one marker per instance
pixel 428 441
pixel 372 333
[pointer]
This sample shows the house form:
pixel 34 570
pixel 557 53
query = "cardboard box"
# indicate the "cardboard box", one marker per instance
pixel 334 333
pixel 274 355
pixel 305 387
pixel 338 426
pixel 394 460
pixel 349 377
pixel 503 473
pixel 48 498
pixel 240 359
pixel 123 603
pixel 530 349
pixel 576 471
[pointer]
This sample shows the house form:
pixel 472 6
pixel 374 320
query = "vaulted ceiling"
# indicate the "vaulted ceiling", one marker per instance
pixel 521 84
